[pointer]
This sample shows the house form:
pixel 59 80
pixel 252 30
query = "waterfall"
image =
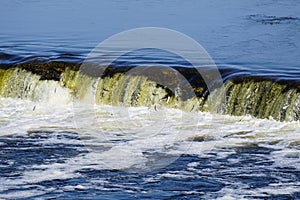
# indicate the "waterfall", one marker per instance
pixel 262 98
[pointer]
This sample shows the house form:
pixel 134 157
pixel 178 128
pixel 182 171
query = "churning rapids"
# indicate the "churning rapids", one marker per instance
pixel 244 95
pixel 140 139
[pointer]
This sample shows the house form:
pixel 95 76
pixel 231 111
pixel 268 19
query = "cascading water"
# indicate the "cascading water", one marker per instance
pixel 260 98
pixel 19 83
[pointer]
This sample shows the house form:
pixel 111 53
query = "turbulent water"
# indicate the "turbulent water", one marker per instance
pixel 125 134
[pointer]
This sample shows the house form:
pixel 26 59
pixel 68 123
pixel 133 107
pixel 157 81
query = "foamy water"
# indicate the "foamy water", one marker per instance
pixel 50 149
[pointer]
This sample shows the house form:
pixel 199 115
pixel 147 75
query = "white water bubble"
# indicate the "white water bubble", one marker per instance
pixel 137 137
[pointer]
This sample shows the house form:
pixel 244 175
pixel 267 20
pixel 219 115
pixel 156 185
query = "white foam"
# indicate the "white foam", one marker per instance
pixel 132 141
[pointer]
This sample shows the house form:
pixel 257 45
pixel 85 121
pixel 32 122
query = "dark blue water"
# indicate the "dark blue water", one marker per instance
pixel 189 177
pixel 262 37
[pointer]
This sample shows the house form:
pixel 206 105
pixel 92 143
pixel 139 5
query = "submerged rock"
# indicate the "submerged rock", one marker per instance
pixel 48 70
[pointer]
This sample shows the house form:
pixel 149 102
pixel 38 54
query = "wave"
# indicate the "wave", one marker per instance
pixel 258 97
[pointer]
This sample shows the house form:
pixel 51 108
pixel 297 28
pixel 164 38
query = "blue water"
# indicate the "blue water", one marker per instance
pixel 254 38
pixel 112 184
pixel 183 179
pixel 263 37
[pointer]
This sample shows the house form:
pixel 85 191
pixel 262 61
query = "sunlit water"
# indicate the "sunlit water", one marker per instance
pixel 58 148
pixel 44 153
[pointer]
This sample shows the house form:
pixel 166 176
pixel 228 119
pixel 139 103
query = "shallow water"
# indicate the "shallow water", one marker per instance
pixel 55 147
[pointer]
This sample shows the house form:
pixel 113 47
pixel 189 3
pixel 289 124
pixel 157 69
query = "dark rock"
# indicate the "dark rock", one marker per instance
pixel 48 70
